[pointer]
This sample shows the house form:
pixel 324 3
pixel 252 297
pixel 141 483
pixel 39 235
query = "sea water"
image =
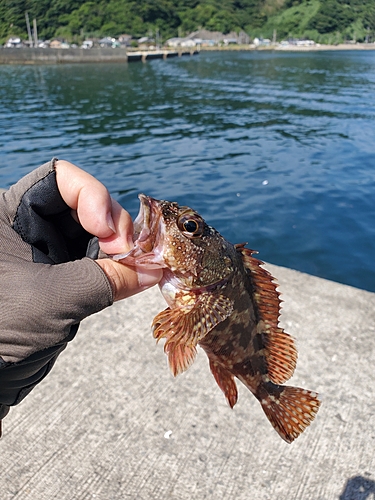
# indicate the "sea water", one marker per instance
pixel 275 149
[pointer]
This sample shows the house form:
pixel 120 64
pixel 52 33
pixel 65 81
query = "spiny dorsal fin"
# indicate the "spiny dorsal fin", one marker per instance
pixel 279 347
pixel 183 327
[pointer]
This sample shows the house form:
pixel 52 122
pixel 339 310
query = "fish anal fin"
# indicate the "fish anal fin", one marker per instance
pixel 225 380
pixel 290 410
pixel 188 323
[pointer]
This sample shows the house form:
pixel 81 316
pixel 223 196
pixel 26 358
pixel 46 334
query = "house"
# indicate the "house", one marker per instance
pixel 146 42
pixel 181 42
pixel 174 42
pixel 58 44
pixel 125 40
pixel 206 38
pixel 13 41
pixel 44 44
pixel 108 42
pixel 243 38
pixel 87 44
pixel 264 42
pixel 305 43
pixel 211 38
pixel 55 44
pixel 188 43
pixel 230 41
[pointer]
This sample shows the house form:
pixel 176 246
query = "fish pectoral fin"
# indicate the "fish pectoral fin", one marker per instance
pixel 225 380
pixel 183 327
pixel 180 356
pixel 210 310
pixel 289 409
pixel 190 323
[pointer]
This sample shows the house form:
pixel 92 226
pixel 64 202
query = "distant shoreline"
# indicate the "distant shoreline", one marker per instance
pixel 29 56
pixel 295 48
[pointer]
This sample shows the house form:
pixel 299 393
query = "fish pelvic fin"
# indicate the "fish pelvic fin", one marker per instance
pixel 225 380
pixel 289 409
pixel 279 347
pixel 184 326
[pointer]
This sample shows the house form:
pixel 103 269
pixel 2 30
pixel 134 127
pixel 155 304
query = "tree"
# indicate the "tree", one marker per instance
pixel 72 18
pixel 332 16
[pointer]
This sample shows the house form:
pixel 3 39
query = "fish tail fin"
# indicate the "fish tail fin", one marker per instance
pixel 289 409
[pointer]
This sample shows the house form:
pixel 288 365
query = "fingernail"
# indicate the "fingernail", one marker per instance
pixel 110 222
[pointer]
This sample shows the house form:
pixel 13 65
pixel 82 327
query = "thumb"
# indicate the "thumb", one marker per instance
pixel 87 196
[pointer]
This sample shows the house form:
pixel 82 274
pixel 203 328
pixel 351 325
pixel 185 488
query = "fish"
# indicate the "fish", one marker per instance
pixel 221 299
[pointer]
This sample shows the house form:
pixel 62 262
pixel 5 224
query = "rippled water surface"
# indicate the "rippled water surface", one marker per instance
pixel 274 149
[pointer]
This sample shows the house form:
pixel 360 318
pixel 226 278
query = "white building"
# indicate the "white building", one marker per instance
pixel 13 41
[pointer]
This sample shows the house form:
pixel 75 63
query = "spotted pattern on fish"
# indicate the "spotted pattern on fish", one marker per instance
pixel 221 298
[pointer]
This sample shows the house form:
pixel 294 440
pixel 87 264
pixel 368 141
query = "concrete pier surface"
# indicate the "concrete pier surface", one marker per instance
pixel 110 422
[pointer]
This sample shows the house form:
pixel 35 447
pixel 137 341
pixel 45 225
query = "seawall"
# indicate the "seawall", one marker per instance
pixel 74 56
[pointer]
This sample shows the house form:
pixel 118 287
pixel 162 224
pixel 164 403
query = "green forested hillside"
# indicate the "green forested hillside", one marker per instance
pixel 323 20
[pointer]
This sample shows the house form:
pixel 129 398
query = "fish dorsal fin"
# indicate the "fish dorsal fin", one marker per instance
pixel 279 347
pixel 185 325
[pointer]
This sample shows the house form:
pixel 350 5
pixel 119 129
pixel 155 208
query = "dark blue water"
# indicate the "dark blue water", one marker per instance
pixel 274 149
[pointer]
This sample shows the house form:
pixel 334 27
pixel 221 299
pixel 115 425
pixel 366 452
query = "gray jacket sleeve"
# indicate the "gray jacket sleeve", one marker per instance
pixel 48 285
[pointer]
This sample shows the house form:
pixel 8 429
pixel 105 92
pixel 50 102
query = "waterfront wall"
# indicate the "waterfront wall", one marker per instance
pixel 120 55
pixel 68 56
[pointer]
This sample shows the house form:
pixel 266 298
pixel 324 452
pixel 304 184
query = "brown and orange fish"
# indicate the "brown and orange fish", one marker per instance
pixel 220 298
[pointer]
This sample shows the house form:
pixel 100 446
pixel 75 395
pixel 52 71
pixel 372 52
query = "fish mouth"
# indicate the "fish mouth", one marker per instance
pixel 147 236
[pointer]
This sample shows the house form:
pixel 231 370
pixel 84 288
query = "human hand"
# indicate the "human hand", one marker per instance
pixel 102 216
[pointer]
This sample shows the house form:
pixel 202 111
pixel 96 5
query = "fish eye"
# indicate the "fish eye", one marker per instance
pixel 190 225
